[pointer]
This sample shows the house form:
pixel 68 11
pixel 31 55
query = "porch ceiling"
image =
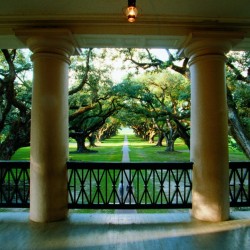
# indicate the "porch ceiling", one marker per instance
pixel 99 23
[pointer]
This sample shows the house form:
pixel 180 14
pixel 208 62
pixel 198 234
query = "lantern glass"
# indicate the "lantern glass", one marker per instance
pixel 131 13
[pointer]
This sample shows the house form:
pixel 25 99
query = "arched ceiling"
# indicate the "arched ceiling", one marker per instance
pixel 101 23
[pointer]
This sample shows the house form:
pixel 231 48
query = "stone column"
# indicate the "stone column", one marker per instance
pixel 49 125
pixel 209 128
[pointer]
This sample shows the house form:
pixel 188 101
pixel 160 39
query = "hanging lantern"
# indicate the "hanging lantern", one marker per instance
pixel 131 11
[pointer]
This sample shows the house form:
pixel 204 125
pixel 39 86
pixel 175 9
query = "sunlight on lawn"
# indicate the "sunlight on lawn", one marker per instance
pixel 142 151
pixel 110 150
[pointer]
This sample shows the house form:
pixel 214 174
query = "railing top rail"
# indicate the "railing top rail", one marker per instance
pixel 245 164
pixel 14 164
pixel 122 165
pixel 129 165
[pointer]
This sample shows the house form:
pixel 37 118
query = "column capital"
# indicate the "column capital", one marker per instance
pixel 40 40
pixel 210 43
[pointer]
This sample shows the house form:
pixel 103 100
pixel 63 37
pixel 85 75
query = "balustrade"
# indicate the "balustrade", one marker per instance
pixel 122 185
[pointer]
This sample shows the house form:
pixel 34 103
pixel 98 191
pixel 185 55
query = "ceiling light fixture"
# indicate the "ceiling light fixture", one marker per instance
pixel 131 11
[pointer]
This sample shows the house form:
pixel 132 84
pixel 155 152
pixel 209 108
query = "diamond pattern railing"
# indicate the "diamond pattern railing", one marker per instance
pixel 15 184
pixel 129 185
pixel 122 185
pixel 239 184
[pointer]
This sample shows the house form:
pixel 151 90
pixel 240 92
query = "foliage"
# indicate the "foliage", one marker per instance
pixel 238 69
pixel 15 101
pixel 238 90
pixel 156 103
pixel 93 102
pixel 238 79
pixel 153 97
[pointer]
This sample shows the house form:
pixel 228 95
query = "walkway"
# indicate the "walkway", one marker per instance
pixel 125 158
pixel 125 231
pixel 125 150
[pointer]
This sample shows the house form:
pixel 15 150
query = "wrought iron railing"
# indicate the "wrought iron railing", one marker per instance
pixel 129 185
pixel 239 184
pixel 145 185
pixel 15 184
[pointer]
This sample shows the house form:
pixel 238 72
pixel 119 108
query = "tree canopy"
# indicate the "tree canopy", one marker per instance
pixel 15 101
pixel 152 97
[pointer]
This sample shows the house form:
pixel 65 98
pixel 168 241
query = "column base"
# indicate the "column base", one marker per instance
pixel 207 211
pixel 63 215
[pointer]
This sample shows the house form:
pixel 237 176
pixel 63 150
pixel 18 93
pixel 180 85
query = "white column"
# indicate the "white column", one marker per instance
pixel 49 126
pixel 209 129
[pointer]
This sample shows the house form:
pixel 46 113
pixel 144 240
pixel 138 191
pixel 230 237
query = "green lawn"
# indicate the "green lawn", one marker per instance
pixel 140 151
pixel 110 150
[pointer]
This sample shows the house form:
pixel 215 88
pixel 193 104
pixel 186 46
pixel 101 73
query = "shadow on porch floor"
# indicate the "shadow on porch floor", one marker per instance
pixel 125 231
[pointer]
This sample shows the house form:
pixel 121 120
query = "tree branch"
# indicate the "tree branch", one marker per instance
pixel 237 73
pixel 85 78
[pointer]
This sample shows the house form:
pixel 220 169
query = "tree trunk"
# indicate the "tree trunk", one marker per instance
pixel 183 133
pixel 169 144
pixel 92 139
pixel 19 136
pixel 151 134
pixel 81 147
pixel 160 139
pixel 171 136
pixel 236 129
pixel 80 140
pixel 145 137
pixel 100 134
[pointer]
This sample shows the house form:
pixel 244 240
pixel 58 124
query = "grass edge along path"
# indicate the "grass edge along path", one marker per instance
pixel 110 150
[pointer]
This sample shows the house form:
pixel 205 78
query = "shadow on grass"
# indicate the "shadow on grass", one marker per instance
pixel 169 152
pixel 88 151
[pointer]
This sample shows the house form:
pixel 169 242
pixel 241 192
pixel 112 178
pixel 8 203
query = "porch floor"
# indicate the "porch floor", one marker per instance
pixel 125 231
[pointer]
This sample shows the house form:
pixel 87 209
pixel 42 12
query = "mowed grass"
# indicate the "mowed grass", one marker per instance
pixel 110 150
pixel 22 154
pixel 142 151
